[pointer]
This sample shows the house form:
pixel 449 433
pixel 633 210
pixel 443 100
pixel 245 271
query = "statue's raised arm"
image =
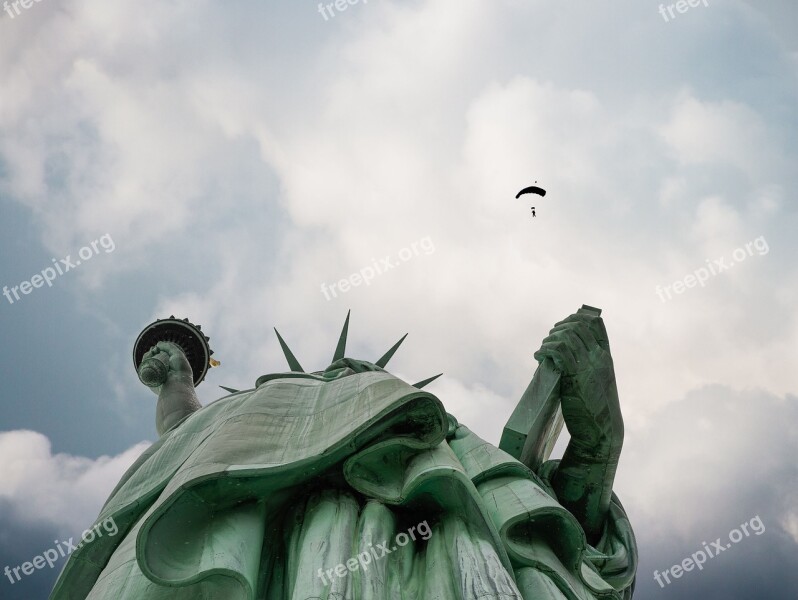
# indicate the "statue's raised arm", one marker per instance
pixel 580 351
pixel 167 372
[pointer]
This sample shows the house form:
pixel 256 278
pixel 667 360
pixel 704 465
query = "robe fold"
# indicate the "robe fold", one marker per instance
pixel 274 493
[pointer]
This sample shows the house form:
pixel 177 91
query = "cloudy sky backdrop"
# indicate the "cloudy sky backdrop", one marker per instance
pixel 240 155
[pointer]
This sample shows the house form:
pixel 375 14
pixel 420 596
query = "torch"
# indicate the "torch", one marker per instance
pixel 188 337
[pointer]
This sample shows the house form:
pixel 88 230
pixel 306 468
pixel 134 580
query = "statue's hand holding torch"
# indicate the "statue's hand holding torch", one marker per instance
pixel 163 362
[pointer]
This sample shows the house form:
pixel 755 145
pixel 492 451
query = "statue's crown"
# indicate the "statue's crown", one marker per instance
pixel 339 361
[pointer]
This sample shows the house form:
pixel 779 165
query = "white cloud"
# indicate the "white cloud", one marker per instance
pixel 58 489
pixel 720 132
pixel 710 459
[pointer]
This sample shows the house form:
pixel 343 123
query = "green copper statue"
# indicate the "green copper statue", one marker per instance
pixel 349 483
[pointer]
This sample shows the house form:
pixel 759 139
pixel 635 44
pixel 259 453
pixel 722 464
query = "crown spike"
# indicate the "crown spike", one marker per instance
pixel 388 355
pixel 429 380
pixel 289 356
pixel 340 349
pixel 228 389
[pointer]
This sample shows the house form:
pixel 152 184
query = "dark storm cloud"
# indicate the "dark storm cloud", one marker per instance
pixel 713 462
pixel 20 542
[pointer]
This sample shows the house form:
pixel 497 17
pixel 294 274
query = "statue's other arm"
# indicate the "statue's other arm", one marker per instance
pixel 583 481
pixel 176 396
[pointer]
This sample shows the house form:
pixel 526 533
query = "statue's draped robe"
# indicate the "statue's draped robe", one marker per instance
pixel 251 496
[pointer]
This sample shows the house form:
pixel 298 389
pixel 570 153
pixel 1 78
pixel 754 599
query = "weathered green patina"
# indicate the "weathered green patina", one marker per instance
pixel 307 486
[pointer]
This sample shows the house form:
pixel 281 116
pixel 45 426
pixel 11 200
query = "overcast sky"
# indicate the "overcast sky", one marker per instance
pixel 230 159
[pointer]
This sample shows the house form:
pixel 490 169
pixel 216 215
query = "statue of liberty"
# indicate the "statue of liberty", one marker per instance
pixel 349 483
